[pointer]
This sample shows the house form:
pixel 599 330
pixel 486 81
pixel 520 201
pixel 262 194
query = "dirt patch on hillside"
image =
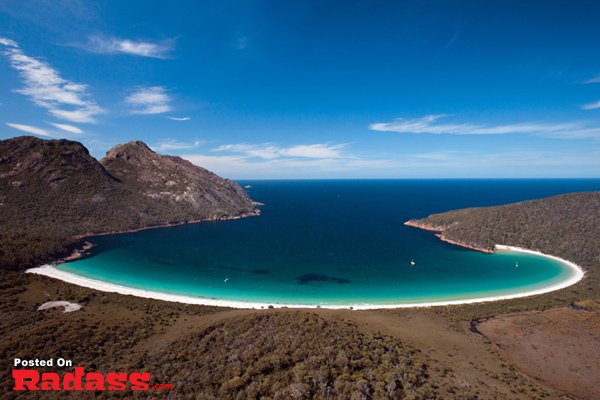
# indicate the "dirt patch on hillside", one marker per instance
pixel 558 347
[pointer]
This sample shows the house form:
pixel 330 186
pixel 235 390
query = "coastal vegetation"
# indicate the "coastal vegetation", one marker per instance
pixel 565 226
pixel 295 355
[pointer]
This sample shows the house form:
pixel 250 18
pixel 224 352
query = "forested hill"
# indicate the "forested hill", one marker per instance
pixel 567 226
pixel 52 190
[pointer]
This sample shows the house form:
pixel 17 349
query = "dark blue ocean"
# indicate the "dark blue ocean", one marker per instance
pixel 332 242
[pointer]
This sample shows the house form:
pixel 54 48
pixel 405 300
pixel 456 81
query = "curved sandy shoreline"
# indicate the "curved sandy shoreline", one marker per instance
pixel 52 272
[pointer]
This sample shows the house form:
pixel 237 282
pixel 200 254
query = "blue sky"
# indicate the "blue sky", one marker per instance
pixel 313 89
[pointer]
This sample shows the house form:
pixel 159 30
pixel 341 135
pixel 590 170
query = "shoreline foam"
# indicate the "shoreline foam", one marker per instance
pixel 49 270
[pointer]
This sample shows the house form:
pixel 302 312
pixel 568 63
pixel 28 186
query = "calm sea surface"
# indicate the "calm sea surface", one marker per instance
pixel 331 243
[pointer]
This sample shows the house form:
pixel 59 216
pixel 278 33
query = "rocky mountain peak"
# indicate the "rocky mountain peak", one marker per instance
pixel 131 152
pixel 27 160
pixel 174 180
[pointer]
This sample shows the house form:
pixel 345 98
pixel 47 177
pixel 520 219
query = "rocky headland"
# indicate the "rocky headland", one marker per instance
pixel 53 193
pixel 565 226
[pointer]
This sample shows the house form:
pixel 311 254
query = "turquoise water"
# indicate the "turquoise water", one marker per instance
pixel 331 243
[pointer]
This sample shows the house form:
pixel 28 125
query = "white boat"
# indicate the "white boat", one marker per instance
pixel 412 263
pixel 517 264
pixel 226 280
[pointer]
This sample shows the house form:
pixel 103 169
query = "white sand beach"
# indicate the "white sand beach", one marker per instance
pixel 50 271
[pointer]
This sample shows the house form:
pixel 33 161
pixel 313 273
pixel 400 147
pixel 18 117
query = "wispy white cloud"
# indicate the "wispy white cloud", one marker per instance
pixel 112 45
pixel 314 151
pixel 265 151
pixel 516 159
pixel 149 100
pixel 268 159
pixel 595 79
pixel 242 43
pixel 8 42
pixel 179 118
pixel 170 144
pixel 46 88
pixel 223 165
pixel 591 106
pixel 268 151
pixel 29 129
pixel 448 45
pixel 429 125
pixel 67 128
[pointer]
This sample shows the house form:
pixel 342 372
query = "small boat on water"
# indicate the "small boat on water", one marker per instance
pixel 247 187
pixel 412 263
pixel 226 280
pixel 517 264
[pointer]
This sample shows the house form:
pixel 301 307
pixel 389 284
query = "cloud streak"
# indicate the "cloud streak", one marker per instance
pixel 149 100
pixel 265 151
pixel 314 151
pixel 170 144
pixel 67 128
pixel 430 124
pixel 268 159
pixel 112 45
pixel 29 129
pixel 591 106
pixel 179 118
pixel 47 89
pixel 269 151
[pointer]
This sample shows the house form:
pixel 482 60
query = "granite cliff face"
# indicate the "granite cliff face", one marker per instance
pixel 185 189
pixel 53 190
